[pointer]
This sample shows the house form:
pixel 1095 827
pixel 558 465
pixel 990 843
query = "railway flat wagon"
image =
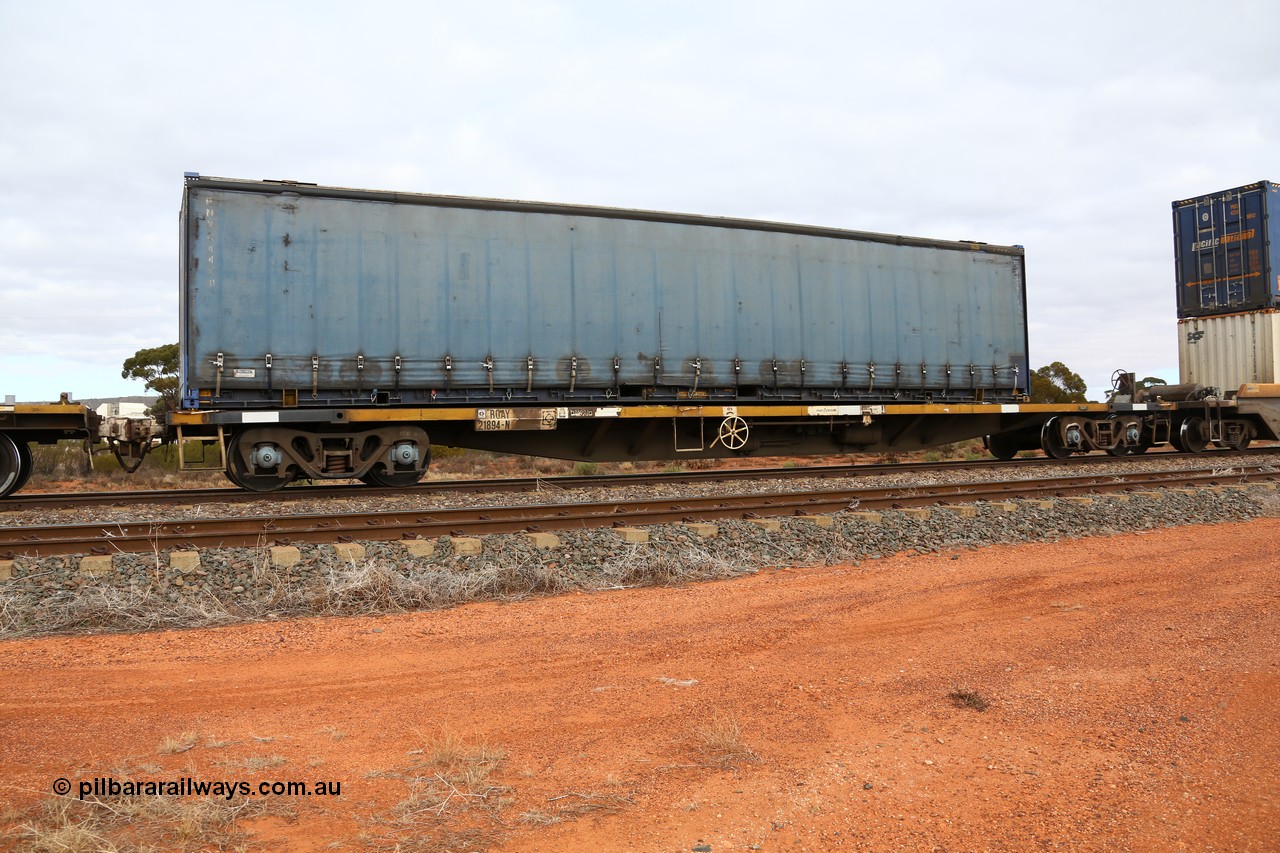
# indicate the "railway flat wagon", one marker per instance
pixel 22 424
pixel 325 330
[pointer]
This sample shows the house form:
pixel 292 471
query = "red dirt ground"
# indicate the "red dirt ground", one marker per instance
pixel 1132 682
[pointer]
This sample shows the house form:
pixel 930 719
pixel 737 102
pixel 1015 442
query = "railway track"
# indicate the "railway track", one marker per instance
pixel 230 495
pixel 102 538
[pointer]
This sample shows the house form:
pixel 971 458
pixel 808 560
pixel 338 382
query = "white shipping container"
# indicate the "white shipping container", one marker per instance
pixel 1230 350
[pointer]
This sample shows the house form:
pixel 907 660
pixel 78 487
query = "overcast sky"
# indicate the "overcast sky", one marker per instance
pixel 1065 128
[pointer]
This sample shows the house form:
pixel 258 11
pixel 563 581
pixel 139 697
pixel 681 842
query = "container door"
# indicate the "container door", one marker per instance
pixel 1227 268
pixel 1232 265
pixel 1206 253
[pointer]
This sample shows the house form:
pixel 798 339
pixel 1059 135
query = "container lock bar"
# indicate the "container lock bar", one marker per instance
pixel 399 363
pixel 217 385
pixel 487 364
pixel 315 376
pixel 573 373
pixel 267 361
pixel 528 363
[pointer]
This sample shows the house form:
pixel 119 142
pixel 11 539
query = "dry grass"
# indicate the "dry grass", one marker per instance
pixel 129 823
pixel 456 760
pixel 1270 504
pixel 575 805
pixel 181 743
pixel 719 743
pixel 454 802
pixel 963 697
pixel 254 763
pixel 367 588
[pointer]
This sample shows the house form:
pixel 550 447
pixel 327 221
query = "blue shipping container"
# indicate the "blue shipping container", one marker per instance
pixel 1226 261
pixel 347 296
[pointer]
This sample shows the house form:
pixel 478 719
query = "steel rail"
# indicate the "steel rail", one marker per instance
pixel 141 537
pixel 229 494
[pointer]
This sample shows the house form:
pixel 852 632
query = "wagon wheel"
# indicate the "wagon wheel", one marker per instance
pixel 1051 443
pixel 237 472
pixel 1190 437
pixel 26 466
pixel 11 468
pixel 382 475
pixel 733 432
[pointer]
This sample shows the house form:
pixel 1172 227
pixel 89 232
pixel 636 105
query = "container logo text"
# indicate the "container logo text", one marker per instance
pixel 1225 239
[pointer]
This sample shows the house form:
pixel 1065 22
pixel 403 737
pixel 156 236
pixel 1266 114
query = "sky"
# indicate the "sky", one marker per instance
pixel 1064 128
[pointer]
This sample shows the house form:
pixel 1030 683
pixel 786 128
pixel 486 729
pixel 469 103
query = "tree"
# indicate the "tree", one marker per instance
pixel 158 367
pixel 1057 383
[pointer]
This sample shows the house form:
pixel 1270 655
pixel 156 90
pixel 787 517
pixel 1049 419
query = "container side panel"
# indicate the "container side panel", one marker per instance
pixel 786 333
pixel 637 308
pixel 335 290
pixel 1230 350
pixel 1271 240
pixel 709 361
pixel 883 350
pixel 506 262
pixel 586 355
pixel 752 280
pixel 821 315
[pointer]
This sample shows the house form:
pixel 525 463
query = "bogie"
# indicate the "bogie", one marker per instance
pixel 269 458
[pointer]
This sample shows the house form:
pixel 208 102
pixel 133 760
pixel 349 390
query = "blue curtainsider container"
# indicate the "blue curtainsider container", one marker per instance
pixel 296 294
pixel 1227 260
